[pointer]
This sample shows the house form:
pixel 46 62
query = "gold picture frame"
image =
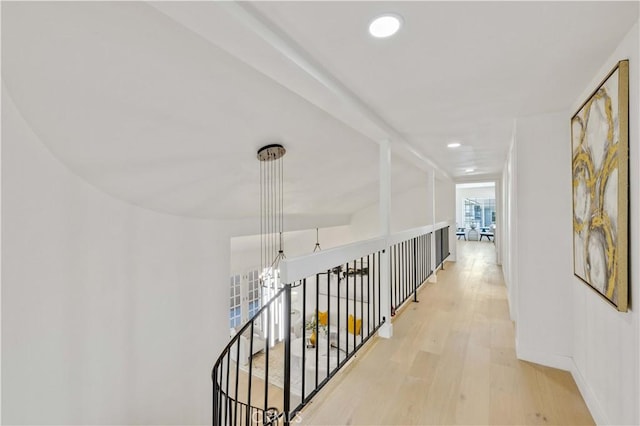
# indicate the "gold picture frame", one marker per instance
pixel 600 184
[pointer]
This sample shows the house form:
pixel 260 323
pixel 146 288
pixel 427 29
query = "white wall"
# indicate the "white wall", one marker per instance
pixel 559 320
pixel 409 209
pixel 445 201
pixel 606 343
pixel 111 314
pixel 245 251
pixel 509 231
pixel 445 210
pixel 544 244
pixel 498 232
pixel 365 223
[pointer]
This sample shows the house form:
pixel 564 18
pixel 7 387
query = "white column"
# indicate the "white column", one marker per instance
pixel 385 229
pixel 497 236
pixel 431 185
pixel 453 247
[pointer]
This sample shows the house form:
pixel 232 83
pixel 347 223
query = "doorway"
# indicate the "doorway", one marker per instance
pixel 476 213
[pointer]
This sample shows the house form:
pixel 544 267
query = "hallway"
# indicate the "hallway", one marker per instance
pixel 451 361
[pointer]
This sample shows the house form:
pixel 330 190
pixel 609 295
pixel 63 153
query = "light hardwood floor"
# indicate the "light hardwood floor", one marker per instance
pixel 451 361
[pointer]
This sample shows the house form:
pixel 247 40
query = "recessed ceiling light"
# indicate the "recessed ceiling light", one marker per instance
pixel 454 145
pixel 385 25
pixel 469 170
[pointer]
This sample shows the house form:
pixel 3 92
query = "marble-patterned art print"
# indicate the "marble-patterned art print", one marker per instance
pixel 600 158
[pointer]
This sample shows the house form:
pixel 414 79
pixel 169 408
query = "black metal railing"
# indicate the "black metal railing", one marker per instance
pixel 267 376
pixel 442 245
pixel 410 266
pixel 246 414
pixel 311 328
pixel 243 392
pixel 341 311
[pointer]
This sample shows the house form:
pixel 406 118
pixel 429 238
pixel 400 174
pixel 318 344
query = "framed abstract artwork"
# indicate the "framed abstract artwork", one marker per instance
pixel 600 174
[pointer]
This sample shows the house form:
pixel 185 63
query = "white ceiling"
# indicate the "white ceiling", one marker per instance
pixel 476 185
pixel 165 104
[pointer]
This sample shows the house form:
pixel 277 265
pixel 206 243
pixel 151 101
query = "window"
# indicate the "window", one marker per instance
pixel 479 211
pixel 255 293
pixel 235 302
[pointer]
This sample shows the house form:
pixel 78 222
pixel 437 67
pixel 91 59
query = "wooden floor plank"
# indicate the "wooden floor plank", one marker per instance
pixel 452 360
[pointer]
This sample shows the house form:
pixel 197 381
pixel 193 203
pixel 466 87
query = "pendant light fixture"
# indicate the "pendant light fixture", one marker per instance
pixel 271 213
pixel 317 247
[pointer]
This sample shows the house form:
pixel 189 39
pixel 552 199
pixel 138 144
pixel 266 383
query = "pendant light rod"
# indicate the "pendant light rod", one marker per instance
pixel 317 247
pixel 271 212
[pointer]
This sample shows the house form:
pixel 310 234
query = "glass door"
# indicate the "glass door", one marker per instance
pixel 245 298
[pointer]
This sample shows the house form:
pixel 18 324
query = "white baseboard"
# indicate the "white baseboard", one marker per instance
pixel 567 363
pixel 589 397
pixel 555 361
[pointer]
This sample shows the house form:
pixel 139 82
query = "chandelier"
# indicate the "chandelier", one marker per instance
pixel 271 213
